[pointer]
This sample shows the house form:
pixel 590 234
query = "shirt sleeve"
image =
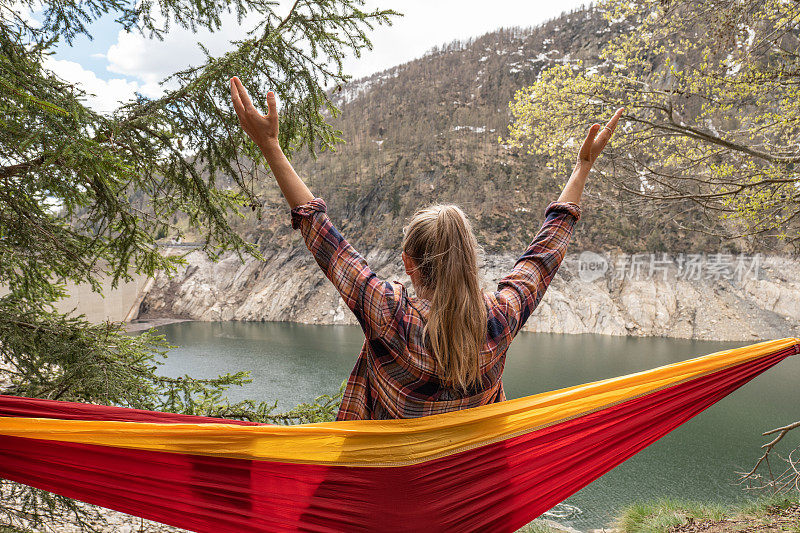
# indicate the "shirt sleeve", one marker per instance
pixel 368 297
pixel 520 291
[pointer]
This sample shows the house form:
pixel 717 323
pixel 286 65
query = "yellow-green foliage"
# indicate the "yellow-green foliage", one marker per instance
pixel 712 107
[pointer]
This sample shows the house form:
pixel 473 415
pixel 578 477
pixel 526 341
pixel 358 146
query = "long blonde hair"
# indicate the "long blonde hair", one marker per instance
pixel 440 240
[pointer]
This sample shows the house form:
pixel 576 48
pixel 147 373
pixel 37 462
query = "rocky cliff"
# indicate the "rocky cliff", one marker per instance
pixel 717 302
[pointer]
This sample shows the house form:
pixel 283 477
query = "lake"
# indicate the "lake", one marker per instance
pixel 296 362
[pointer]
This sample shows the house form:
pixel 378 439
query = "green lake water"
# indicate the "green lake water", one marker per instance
pixel 295 362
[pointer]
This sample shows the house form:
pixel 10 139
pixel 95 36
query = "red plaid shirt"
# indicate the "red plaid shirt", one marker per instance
pixel 394 376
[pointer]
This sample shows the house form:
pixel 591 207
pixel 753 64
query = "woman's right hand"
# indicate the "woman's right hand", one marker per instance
pixel 595 142
pixel 263 129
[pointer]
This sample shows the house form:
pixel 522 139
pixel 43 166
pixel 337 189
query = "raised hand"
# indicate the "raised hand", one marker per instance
pixel 262 129
pixel 595 142
pixel 592 146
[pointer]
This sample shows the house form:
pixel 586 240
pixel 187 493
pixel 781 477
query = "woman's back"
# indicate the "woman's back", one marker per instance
pixel 395 375
pixel 410 376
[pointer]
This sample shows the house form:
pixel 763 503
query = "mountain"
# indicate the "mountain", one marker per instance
pixel 428 130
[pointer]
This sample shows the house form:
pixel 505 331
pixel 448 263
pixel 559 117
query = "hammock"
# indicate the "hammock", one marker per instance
pixel 490 468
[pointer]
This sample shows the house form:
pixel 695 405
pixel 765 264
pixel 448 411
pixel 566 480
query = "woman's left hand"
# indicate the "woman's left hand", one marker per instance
pixel 263 129
pixel 594 142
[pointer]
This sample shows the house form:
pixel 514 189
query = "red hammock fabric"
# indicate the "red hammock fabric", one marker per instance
pixel 499 484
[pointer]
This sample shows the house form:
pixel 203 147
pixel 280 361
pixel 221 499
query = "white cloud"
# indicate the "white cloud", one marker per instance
pixel 24 12
pixel 151 60
pixel 146 62
pixel 104 95
pixel 142 63
pixel 426 24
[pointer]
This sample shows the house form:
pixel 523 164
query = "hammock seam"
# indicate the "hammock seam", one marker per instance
pixel 796 348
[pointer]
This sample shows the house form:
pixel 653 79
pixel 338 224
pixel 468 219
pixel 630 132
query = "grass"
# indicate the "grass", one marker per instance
pixel 658 516
pixel 767 505
pixel 762 509
pixel 661 515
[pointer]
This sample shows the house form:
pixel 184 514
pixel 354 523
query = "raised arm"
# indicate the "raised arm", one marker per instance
pixel 522 289
pixel 370 299
pixel 264 132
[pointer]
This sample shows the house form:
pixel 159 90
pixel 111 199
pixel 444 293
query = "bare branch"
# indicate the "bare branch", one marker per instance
pixel 786 480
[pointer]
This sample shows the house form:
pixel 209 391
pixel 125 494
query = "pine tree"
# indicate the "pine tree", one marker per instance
pixel 84 195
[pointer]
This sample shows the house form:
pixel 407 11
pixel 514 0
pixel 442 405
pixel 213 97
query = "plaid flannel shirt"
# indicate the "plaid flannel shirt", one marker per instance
pixel 394 376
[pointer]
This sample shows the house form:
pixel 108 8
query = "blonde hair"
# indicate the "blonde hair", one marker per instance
pixel 440 240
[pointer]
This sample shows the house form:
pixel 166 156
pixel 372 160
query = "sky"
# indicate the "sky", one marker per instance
pixel 115 64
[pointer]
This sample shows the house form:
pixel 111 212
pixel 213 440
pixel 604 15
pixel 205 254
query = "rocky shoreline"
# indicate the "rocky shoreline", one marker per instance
pixel 639 295
pixel 135 326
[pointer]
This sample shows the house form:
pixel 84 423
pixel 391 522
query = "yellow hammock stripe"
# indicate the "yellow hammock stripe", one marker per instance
pixel 385 442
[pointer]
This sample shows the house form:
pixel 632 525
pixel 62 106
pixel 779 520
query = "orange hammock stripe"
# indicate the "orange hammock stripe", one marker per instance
pixel 515 460
pixel 384 443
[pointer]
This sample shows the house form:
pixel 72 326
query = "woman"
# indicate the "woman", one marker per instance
pixel 445 349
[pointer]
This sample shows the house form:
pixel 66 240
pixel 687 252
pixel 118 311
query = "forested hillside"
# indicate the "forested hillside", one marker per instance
pixel 429 130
